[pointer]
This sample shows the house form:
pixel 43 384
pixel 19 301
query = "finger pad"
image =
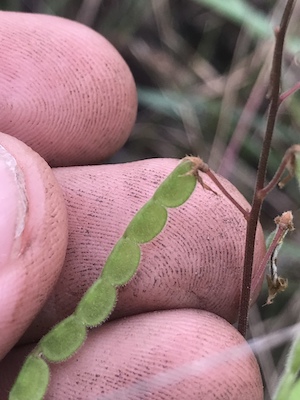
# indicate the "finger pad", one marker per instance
pixel 66 92
pixel 184 354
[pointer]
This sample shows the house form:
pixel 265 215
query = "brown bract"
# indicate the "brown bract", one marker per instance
pixel 196 262
pixel 61 83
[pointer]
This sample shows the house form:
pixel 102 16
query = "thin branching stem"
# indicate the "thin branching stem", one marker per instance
pixel 214 178
pixel 289 92
pixel 262 167
pixel 285 163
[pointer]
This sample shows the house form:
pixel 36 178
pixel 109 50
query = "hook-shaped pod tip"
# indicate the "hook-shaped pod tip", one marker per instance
pixel 177 187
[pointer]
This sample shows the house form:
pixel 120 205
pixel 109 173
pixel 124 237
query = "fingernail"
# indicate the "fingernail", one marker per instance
pixel 13 207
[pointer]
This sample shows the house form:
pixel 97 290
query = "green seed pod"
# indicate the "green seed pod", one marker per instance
pixel 177 187
pixel 32 381
pixel 122 262
pixel 147 223
pixel 97 303
pixel 63 340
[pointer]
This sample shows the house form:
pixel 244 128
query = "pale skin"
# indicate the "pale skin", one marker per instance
pixel 68 94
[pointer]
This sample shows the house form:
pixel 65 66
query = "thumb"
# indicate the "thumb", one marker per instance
pixel 33 237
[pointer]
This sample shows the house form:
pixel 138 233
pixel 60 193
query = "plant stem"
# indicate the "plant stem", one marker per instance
pixel 289 92
pixel 201 166
pixel 262 167
pixel 285 163
pixel 214 178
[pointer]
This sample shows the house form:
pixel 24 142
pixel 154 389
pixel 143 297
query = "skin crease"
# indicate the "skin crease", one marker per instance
pixel 100 202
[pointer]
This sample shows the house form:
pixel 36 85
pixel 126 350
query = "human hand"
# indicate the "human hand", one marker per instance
pixel 69 95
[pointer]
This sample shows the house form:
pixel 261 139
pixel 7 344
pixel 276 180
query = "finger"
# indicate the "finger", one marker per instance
pixel 33 237
pixel 196 262
pixel 65 91
pixel 185 354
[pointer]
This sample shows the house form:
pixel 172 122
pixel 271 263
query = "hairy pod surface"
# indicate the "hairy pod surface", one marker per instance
pixel 33 381
pixel 160 356
pixel 63 340
pixel 177 187
pixel 147 223
pixel 97 304
pixel 195 262
pixel 68 335
pixel 122 262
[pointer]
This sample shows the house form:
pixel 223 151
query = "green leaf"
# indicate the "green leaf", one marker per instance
pixel 256 23
pixel 63 340
pixel 293 359
pixel 295 392
pixel 243 14
pixel 287 384
pixel 284 388
pixel 32 381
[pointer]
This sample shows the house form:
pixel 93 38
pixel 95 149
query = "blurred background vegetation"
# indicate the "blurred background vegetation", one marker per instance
pixel 202 70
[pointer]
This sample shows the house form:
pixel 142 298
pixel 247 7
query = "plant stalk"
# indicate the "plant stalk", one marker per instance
pixel 262 167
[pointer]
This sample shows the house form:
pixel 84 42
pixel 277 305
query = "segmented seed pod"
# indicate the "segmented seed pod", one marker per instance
pixel 32 381
pixel 99 300
pixel 63 340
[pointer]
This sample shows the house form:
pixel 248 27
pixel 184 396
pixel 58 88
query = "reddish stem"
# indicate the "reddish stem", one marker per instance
pixel 213 177
pixel 289 92
pixel 262 166
pixel 286 161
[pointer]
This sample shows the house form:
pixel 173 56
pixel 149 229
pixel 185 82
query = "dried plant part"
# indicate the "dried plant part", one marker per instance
pixel 199 166
pixel 274 287
pixel 292 165
pixel 276 283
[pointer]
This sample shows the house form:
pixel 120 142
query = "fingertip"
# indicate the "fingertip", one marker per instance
pixel 37 238
pixel 66 92
pixel 175 354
